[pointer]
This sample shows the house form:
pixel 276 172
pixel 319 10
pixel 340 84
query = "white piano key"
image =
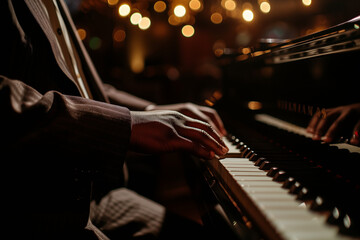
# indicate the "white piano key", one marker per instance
pixel 235 160
pixel 251 184
pixel 260 189
pixel 276 196
pixel 241 169
pixel 290 217
pixel 250 178
pixel 245 173
pixel 303 234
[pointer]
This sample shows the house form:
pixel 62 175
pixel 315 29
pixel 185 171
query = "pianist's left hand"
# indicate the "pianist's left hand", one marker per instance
pixel 338 122
pixel 192 110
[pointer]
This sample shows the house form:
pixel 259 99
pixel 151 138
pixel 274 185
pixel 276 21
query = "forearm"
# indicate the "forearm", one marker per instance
pixel 126 99
pixel 76 126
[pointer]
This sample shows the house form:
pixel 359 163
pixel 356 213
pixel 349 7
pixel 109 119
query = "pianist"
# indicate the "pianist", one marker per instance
pixel 63 143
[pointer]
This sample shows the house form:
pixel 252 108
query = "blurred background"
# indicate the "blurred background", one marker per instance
pixel 167 51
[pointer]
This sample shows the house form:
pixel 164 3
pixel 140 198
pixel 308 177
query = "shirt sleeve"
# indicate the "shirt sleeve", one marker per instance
pixel 84 132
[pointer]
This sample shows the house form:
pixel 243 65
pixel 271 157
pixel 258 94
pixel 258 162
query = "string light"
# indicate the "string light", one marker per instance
pixel 135 18
pixel 306 2
pixel 195 5
pixel 144 23
pixel 179 11
pixel 248 15
pixel 216 18
pixel 230 5
pixel 265 7
pixel 160 6
pixel 82 33
pixel 124 10
pixel 188 31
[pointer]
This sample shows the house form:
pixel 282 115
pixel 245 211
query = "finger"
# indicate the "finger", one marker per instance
pixel 335 129
pixel 313 123
pixel 355 140
pixel 199 136
pixel 324 124
pixel 197 114
pixel 195 149
pixel 209 129
pixel 214 116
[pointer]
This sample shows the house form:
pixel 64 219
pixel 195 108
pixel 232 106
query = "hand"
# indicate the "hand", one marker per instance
pixel 338 122
pixel 201 113
pixel 166 131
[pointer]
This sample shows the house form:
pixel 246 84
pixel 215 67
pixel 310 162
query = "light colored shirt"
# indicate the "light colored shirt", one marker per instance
pixel 65 43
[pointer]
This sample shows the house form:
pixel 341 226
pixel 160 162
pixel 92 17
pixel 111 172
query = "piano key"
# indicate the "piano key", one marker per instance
pixel 289 216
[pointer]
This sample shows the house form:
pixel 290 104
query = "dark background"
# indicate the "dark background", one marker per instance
pixel 181 69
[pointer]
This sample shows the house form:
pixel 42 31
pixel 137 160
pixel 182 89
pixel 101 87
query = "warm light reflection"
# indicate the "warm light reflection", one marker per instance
pixel 248 15
pixel 230 5
pixel 136 55
pixel 254 105
pixel 135 18
pixel 265 7
pixel 160 6
pixel 216 18
pixel 179 11
pixel 124 10
pixel 188 31
pixel 195 5
pixel 144 23
pixel 173 20
pixel 306 2
pixel 112 2
pixel 119 35
pixel 246 50
pixel 82 33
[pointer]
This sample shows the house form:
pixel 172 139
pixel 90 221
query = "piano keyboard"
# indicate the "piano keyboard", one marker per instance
pixel 277 201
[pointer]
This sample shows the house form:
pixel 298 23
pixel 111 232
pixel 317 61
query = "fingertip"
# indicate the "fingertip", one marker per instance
pixel 310 130
pixel 224 132
pixel 316 137
pixel 355 139
pixel 211 155
pixel 327 139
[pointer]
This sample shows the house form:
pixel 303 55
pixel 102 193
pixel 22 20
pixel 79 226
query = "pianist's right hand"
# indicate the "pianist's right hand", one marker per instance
pixel 163 131
pixel 338 122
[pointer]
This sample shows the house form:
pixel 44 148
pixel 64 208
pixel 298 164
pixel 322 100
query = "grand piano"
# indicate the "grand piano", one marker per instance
pixel 276 182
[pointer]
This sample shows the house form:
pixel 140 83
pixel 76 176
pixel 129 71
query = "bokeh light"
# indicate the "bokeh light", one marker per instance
pixel 216 18
pixel 144 23
pixel 248 15
pixel 135 18
pixel 160 6
pixel 179 11
pixel 124 10
pixel 265 7
pixel 188 31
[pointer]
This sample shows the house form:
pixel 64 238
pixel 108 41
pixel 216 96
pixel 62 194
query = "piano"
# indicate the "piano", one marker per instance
pixel 276 182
